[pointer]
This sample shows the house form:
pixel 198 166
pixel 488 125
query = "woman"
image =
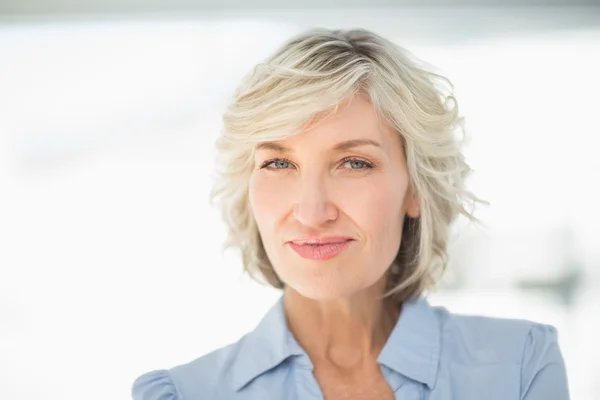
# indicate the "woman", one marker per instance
pixel 340 176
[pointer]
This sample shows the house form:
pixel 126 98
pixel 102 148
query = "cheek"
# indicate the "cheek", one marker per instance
pixel 375 208
pixel 268 201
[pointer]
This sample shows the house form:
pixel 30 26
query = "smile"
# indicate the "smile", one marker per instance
pixel 321 249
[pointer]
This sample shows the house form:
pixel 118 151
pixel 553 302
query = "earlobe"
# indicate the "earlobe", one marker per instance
pixel 413 210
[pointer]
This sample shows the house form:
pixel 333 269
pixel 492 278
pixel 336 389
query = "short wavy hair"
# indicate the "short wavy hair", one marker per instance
pixel 316 71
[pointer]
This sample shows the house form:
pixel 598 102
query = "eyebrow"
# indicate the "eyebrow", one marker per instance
pixel 345 145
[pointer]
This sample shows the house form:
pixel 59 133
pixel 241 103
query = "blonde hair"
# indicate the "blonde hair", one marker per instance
pixel 314 72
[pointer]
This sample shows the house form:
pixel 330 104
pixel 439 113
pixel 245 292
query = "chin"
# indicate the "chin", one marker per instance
pixel 331 280
pixel 318 294
pixel 323 289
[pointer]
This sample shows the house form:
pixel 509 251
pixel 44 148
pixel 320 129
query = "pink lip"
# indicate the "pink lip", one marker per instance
pixel 320 248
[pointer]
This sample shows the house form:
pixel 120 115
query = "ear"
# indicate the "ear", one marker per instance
pixel 413 206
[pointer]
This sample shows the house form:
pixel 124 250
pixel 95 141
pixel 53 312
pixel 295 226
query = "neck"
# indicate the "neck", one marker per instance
pixel 345 332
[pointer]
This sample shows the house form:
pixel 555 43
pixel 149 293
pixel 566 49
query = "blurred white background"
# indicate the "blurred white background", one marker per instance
pixel 110 256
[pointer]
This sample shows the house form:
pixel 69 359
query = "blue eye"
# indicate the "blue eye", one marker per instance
pixel 357 164
pixel 280 164
pixel 276 164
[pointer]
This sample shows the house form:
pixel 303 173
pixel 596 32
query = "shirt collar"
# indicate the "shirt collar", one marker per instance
pixel 267 346
pixel 413 348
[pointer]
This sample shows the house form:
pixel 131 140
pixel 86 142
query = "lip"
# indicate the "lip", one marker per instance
pixel 320 248
pixel 316 240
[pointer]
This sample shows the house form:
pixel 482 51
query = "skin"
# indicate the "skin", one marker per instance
pixel 308 185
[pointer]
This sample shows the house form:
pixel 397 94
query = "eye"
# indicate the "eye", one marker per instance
pixel 354 163
pixel 278 163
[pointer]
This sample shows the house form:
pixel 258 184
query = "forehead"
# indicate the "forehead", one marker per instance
pixel 355 119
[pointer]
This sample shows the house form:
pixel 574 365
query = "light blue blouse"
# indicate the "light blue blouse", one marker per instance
pixel 431 354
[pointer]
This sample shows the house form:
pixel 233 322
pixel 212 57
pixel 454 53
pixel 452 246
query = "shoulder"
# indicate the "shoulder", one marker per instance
pixel 205 377
pixel 485 341
pixel 489 339
pixel 223 373
pixel 486 338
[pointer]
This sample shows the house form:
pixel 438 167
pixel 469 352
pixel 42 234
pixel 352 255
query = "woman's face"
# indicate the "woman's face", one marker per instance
pixel 330 201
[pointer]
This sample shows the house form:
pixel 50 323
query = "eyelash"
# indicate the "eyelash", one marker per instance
pixel 367 164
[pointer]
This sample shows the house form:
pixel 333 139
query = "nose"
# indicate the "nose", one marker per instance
pixel 314 207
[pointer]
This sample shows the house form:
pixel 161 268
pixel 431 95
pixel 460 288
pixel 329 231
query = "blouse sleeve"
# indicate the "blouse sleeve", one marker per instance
pixel 543 372
pixel 154 385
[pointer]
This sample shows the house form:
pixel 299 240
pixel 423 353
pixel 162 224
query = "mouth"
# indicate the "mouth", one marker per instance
pixel 320 249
